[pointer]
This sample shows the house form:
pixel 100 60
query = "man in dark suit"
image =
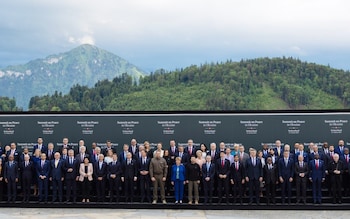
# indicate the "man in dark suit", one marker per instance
pixel 254 175
pixel 213 153
pixel 11 178
pixel 190 149
pixel 335 170
pixel 270 174
pixel 237 178
pixel 40 145
pixel 285 173
pixel 340 148
pixel 43 172
pixel 129 177
pixel 278 149
pixel 13 151
pixel 172 151
pixel 243 156
pixel 301 171
pixel 27 170
pixel 317 176
pixel 346 174
pixel 100 173
pixel 82 154
pixel 65 145
pixel 265 151
pixel 208 174
pixel 57 176
pixel 122 155
pixel 133 149
pixel 223 176
pixel 109 146
pixel 303 153
pixel 144 177
pixel 114 171
pixel 71 167
pixel 184 156
pixel 92 151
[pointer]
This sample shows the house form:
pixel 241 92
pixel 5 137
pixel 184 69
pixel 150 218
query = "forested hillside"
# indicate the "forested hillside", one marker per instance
pixel 258 84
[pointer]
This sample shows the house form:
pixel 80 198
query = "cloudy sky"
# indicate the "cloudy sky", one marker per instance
pixel 171 34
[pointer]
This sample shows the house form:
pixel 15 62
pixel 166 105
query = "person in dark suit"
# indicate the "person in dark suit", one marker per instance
pixel 43 172
pixel 208 178
pixel 213 153
pixel 340 148
pixel 24 152
pixel 40 145
pixel 109 146
pixel 278 149
pixel 144 178
pixel 71 175
pixel 270 174
pixel 27 170
pixel 301 171
pixel 317 176
pixel 57 177
pixel 133 149
pixel 223 176
pixel 92 151
pixel 65 145
pixel 190 149
pixel 237 178
pixel 129 176
pixel 11 178
pixel 100 173
pixel 335 170
pixel 114 171
pixel 50 152
pixel 286 173
pixel 346 174
pixel 82 154
pixel 172 151
pixel 122 155
pixel 2 167
pixel 184 156
pixel 302 153
pixel 13 151
pixel 178 176
pixel 265 151
pixel 254 175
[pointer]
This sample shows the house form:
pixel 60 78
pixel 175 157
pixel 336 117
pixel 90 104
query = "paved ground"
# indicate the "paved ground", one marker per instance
pixel 42 213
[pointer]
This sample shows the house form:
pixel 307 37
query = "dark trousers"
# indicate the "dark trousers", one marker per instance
pixel 223 186
pixel 336 187
pixel 26 182
pixel 11 190
pixel 100 190
pixel 43 185
pixel 301 188
pixel 179 190
pixel 286 187
pixel 145 187
pixel 56 188
pixel 208 190
pixel 346 183
pixel 71 187
pixel 114 185
pixel 237 190
pixel 129 189
pixel 317 190
pixel 86 187
pixel 271 192
pixel 254 188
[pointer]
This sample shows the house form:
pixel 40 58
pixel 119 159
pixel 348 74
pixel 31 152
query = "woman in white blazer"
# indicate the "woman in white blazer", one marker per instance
pixel 86 170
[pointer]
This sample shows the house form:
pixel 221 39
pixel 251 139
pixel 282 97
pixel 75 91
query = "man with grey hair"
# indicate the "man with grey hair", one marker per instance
pixel 335 170
pixel 27 168
pixel 82 154
pixel 100 173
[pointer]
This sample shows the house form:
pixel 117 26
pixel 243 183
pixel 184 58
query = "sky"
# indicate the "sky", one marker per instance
pixel 172 34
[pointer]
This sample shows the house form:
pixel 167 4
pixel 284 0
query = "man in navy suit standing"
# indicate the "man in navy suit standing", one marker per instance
pixel 286 173
pixel 340 148
pixel 27 170
pixel 317 176
pixel 100 173
pixel 190 149
pixel 223 176
pixel 129 176
pixel 208 174
pixel 144 177
pixel 40 145
pixel 114 171
pixel 71 170
pixel 43 173
pixel 237 178
pixel 11 178
pixel 57 177
pixel 254 175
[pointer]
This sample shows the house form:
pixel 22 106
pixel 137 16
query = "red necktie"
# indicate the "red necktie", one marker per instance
pixel 316 164
pixel 190 150
pixel 222 163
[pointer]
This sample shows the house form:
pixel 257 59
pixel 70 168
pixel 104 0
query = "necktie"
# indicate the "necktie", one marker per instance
pixel 190 150
pixel 173 150
pixel 100 165
pixel 301 164
pixel 26 163
pixel 180 154
pixel 56 163
pixel 286 162
pixel 253 161
pixel 71 161
pixel 236 166
pixel 222 163
pixel 42 164
pixel 93 151
pixel 208 167
pixel 347 158
pixel 316 164
pixel 241 156
pixel 144 161
pixel 270 166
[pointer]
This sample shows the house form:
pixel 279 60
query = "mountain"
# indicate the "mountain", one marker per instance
pixel 84 65
pixel 257 84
